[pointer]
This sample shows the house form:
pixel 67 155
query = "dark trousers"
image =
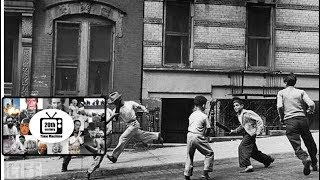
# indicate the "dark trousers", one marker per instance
pixel 296 127
pixel 65 163
pixel 248 148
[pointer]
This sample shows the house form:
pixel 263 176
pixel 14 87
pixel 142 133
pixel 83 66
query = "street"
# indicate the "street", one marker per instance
pixel 286 166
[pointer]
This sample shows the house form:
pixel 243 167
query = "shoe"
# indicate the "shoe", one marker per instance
pixel 88 175
pixel 268 163
pixel 306 168
pixel 187 177
pixel 161 140
pixel 247 170
pixel 64 170
pixel 112 159
pixel 315 167
pixel 205 177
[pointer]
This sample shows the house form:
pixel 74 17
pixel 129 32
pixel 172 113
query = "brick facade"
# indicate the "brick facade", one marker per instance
pixel 218 50
pixel 127 50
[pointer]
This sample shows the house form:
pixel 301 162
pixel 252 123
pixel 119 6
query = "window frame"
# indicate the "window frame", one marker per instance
pixel 270 61
pixel 55 91
pixel 176 34
pixel 83 68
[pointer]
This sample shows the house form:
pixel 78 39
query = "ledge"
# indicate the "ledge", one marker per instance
pixel 221 71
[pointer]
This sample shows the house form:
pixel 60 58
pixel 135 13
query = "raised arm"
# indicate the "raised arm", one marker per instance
pixel 137 105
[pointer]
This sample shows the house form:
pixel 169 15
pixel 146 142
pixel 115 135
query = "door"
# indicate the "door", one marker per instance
pixel 175 114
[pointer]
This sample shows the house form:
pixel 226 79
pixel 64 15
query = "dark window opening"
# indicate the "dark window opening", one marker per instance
pixel 259 36
pixel 177 33
pixel 11 36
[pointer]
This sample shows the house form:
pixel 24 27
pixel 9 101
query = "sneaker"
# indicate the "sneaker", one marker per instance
pixel 315 167
pixel 112 159
pixel 187 177
pixel 206 177
pixel 247 170
pixel 306 168
pixel 268 163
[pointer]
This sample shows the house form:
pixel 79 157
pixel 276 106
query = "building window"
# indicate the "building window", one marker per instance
pixel 259 35
pixel 83 53
pixel 11 46
pixel 177 32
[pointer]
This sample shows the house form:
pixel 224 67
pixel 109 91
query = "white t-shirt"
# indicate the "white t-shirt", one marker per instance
pixel 198 122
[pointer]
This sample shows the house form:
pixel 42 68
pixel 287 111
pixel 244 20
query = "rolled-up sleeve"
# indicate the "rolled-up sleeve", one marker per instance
pixel 307 100
pixel 279 100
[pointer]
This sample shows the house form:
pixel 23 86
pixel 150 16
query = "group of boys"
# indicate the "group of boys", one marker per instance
pixel 292 112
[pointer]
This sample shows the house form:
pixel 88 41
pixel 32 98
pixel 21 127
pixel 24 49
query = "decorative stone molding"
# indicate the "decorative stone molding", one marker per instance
pixel 152 44
pixel 228 24
pixel 297 50
pixel 153 21
pixel 218 46
pixel 84 7
pixel 26 26
pixel 25 77
pixel 284 27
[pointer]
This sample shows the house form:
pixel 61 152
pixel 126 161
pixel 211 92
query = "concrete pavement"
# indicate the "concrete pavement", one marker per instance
pixel 138 161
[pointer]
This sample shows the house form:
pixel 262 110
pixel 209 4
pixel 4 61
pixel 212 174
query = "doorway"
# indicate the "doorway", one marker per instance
pixel 175 114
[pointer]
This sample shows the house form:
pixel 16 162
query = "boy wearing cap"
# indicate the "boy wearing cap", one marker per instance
pixel 198 131
pixel 251 125
pixel 293 105
pixel 128 115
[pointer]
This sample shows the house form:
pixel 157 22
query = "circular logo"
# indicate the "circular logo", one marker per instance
pixel 51 125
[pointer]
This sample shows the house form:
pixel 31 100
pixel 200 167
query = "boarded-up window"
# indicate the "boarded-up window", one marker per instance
pixel 259 35
pixel 177 30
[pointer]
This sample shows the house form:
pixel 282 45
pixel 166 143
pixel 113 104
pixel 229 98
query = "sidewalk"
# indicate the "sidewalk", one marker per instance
pixel 137 161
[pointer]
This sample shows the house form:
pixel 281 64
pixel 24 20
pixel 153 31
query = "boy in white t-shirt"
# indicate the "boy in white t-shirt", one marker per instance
pixel 197 138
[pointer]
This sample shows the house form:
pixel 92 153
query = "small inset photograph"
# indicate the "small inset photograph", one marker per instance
pixel 56 103
pixel 8 143
pixel 76 139
pixel 76 105
pixel 94 139
pixel 42 148
pixel 11 107
pixel 10 125
pixel 58 148
pixel 30 106
pixel 95 107
pixel 24 126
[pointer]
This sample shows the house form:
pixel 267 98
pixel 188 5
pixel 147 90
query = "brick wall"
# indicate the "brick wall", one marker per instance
pixel 297 37
pixel 300 2
pixel 152 56
pixel 301 62
pixel 220 12
pixel 297 17
pixel 42 53
pixel 219 35
pixel 221 28
pixel 219 58
pixel 128 50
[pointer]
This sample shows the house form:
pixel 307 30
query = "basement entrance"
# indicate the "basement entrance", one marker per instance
pixel 175 114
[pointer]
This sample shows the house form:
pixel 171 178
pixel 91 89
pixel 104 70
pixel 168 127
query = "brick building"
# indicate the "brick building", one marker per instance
pixel 225 48
pixel 73 47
